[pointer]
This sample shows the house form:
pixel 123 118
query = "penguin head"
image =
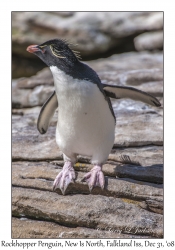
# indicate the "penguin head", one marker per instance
pixel 55 52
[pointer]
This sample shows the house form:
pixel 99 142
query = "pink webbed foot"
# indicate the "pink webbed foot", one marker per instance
pixel 66 176
pixel 95 178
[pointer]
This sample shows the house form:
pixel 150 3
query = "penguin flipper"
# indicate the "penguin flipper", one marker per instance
pixel 46 113
pixel 119 92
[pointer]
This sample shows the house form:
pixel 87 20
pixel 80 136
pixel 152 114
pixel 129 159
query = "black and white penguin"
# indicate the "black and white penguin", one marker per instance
pixel 86 121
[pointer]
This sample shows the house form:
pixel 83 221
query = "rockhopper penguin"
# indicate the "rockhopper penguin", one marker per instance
pixel 86 121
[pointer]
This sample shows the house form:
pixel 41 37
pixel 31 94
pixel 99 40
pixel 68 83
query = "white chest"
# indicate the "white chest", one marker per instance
pixel 74 95
pixel 84 118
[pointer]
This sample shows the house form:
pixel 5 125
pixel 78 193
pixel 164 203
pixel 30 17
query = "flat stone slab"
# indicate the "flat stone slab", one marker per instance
pixel 143 156
pixel 28 143
pixel 40 175
pixel 152 173
pixel 149 41
pixel 91 211
pixel 33 229
pixel 139 163
pixel 128 61
pixel 138 128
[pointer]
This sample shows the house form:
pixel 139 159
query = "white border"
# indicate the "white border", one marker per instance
pixel 5 93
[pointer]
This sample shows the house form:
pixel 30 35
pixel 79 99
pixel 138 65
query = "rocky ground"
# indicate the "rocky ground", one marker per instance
pixel 96 34
pixel 131 205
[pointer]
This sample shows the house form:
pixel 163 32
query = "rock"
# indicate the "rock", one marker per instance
pixel 22 66
pixel 128 61
pixel 153 173
pixel 155 205
pixel 131 205
pixel 28 111
pixel 92 34
pixel 148 80
pixel 99 35
pixel 29 144
pixel 141 70
pixel 96 212
pixel 140 124
pixel 31 98
pixel 32 229
pixel 143 156
pixel 43 77
pixel 149 41
pixel 41 175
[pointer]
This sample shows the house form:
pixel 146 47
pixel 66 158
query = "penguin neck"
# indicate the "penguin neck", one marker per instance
pixel 61 79
pixel 68 67
pixel 64 83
